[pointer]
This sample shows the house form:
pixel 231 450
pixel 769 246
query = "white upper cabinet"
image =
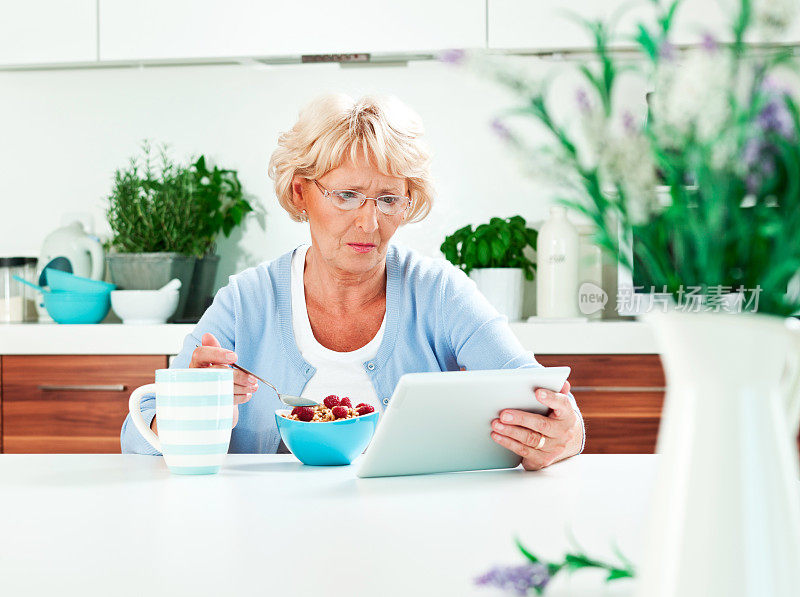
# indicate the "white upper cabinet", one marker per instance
pixel 197 29
pixel 47 31
pixel 549 25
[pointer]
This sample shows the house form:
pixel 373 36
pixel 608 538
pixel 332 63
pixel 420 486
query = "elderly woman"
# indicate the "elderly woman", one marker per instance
pixel 351 313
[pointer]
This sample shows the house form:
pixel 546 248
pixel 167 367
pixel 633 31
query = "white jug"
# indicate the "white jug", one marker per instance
pixel 725 516
pixel 84 252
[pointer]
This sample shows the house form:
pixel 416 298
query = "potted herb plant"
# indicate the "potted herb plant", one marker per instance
pixel 493 255
pixel 165 219
pixel 723 135
pixel 153 217
pixel 218 193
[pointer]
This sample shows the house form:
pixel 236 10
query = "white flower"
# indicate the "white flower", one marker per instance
pixel 691 96
pixel 772 17
pixel 627 159
pixel 205 180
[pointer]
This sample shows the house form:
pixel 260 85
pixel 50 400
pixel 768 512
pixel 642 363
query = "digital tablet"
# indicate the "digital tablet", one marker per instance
pixel 441 422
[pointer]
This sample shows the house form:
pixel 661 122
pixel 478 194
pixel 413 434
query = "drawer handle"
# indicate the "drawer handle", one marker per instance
pixel 97 388
pixel 618 389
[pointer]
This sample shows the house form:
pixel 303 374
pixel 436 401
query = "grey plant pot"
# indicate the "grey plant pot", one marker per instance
pixel 150 271
pixel 201 292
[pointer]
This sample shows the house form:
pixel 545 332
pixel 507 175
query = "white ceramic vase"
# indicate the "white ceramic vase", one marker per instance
pixel 502 287
pixel 725 516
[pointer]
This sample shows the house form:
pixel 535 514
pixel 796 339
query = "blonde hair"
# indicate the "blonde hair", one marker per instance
pixel 335 127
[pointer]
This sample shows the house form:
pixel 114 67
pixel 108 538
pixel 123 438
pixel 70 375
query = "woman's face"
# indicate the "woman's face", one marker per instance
pixel 354 241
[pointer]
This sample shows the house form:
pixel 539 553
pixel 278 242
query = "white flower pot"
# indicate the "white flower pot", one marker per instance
pixel 725 516
pixel 502 287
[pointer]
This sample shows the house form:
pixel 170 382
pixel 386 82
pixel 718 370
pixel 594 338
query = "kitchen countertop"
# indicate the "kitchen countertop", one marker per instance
pixel 122 525
pixel 604 337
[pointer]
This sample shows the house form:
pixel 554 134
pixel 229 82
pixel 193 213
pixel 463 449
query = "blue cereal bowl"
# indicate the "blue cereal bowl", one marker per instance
pixel 77 307
pixel 330 443
pixel 58 280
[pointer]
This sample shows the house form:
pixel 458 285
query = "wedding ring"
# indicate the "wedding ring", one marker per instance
pixel 540 444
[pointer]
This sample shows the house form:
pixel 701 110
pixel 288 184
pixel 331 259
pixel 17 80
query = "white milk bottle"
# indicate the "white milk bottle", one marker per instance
pixel 557 259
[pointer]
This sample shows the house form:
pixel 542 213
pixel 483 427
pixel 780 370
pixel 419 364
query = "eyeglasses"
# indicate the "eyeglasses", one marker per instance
pixel 391 205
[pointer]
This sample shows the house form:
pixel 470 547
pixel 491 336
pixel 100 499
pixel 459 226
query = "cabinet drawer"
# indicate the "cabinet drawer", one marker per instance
pixel 70 403
pixel 620 397
pixel 598 371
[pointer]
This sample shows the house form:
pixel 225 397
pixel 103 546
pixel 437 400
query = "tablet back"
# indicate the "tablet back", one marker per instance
pixel 440 421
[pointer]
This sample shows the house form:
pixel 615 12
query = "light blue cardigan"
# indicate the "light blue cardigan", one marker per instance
pixel 436 320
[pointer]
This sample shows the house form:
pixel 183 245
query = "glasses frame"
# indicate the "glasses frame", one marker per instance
pixel 326 193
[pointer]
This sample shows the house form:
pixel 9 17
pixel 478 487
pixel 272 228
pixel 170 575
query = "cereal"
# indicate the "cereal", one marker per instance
pixel 321 413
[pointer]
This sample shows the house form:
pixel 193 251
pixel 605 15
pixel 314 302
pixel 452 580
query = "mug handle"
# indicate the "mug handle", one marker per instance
pixel 135 409
pixel 791 383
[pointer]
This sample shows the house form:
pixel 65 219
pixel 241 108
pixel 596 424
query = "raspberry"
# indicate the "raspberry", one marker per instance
pixel 340 412
pixel 304 413
pixel 360 404
pixel 364 409
pixel 346 402
pixel 331 401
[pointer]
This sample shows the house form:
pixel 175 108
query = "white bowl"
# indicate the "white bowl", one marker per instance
pixel 144 307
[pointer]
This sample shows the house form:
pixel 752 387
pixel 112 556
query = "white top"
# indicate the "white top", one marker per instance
pixel 340 373
pixel 93 525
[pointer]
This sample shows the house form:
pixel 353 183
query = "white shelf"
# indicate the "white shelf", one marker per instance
pixel 612 337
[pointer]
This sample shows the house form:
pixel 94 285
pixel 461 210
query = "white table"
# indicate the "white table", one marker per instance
pixel 114 525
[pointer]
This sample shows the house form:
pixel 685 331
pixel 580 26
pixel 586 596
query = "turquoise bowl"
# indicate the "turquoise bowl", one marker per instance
pixel 325 444
pixel 58 280
pixel 77 307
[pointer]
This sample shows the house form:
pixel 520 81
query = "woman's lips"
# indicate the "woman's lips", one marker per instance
pixel 361 248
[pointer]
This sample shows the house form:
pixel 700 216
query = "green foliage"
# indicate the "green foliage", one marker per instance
pixel 732 218
pixel 219 195
pixel 578 559
pixel 156 205
pixel 500 243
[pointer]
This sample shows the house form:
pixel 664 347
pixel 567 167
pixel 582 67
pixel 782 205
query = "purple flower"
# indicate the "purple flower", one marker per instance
pixel 751 153
pixel 629 123
pixel 667 51
pixel 520 579
pixel 501 130
pixel 454 56
pixel 582 98
pixel 709 43
pixel 775 117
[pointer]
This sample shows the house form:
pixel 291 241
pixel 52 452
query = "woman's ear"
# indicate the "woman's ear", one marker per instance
pixel 298 197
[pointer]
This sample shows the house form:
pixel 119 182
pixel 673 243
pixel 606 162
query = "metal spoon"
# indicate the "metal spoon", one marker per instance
pixel 287 399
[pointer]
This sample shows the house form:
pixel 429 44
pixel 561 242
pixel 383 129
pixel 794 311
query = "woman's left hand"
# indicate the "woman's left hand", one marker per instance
pixel 541 440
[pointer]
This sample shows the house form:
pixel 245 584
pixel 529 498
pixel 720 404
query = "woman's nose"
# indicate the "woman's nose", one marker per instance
pixel 367 216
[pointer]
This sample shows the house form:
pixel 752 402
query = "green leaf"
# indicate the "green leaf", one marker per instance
pixel 484 254
pixel 505 236
pixel 517 221
pixel 616 573
pixel 525 551
pixel 498 250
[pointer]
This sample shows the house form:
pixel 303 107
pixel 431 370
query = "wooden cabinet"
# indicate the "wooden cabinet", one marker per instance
pixel 620 396
pixel 203 29
pixel 47 31
pixel 69 403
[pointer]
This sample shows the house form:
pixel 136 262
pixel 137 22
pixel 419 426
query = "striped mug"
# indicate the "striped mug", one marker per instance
pixel 194 414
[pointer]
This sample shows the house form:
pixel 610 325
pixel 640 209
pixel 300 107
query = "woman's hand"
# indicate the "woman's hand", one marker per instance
pixel 210 354
pixel 541 440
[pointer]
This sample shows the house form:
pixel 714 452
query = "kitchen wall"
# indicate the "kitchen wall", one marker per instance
pixel 63 133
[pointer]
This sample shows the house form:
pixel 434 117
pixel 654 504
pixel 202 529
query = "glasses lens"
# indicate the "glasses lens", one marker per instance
pixel 392 205
pixel 347 199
